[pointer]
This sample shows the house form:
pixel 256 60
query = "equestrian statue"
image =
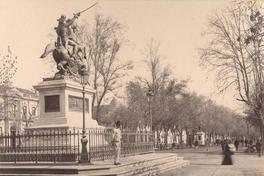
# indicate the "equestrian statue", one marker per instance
pixel 67 51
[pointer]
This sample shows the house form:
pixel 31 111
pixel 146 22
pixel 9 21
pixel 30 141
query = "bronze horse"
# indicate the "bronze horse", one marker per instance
pixel 67 64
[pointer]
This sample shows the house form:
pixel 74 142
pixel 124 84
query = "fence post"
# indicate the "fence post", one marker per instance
pixel 103 131
pixel 78 142
pixel 66 142
pixel 74 143
pixel 54 146
pixel 89 146
pixel 14 144
pixel 36 138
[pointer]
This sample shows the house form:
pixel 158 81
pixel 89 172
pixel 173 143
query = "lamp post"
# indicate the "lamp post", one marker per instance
pixel 84 81
pixel 149 95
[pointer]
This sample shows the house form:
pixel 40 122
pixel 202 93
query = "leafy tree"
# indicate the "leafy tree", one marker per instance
pixel 138 104
pixel 164 87
pixel 103 43
pixel 8 67
pixel 190 113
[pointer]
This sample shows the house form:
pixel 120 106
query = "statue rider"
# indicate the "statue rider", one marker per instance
pixel 62 30
pixel 69 60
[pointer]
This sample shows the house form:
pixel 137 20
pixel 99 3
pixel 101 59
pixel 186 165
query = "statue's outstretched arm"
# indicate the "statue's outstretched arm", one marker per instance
pixel 70 22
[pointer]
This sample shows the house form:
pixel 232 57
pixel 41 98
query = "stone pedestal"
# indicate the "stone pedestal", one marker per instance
pixel 61 105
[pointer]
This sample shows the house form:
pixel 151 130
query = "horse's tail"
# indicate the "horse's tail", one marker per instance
pixel 49 48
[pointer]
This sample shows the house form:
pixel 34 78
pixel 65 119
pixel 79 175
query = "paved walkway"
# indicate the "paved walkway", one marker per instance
pixel 204 162
pixel 208 163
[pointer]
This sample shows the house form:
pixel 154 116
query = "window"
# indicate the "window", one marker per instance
pixel 33 111
pixel 52 103
pixel 24 115
pixel 199 138
pixel 76 104
pixel 24 110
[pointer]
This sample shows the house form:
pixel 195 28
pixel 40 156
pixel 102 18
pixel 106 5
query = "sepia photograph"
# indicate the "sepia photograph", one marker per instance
pixel 132 87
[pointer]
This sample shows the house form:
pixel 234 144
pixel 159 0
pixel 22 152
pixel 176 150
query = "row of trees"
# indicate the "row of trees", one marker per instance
pixel 171 106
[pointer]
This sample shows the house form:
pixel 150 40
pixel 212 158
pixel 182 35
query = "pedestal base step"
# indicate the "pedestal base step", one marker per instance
pixel 140 165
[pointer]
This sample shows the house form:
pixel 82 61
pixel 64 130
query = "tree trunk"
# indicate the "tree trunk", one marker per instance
pixel 158 138
pixel 189 138
pixel 192 138
pixel 261 135
pixel 93 108
pixel 6 117
pixel 166 138
pixel 180 135
pixel 210 137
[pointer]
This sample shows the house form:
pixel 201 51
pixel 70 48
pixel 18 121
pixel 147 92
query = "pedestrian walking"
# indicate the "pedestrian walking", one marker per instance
pixel 236 144
pixel 222 145
pixel 196 144
pixel 227 156
pixel 217 142
pixel 116 142
pixel 258 148
pixel 246 143
pixel 250 142
pixel 242 142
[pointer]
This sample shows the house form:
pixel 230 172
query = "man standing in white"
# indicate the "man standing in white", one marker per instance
pixel 117 143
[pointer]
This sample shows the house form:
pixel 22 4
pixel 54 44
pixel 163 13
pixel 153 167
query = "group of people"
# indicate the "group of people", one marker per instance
pixel 228 149
pixel 254 146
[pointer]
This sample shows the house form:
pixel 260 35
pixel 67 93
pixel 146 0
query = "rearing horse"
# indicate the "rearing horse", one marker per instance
pixel 66 63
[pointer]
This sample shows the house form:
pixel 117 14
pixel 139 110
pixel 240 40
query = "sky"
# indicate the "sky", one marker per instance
pixel 176 24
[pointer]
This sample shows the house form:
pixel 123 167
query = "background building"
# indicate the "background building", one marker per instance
pixel 18 108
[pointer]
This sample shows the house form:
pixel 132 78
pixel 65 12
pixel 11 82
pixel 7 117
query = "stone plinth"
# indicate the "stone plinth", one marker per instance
pixel 61 105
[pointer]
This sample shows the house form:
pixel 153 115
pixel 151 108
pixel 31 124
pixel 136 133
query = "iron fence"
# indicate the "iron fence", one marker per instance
pixel 65 146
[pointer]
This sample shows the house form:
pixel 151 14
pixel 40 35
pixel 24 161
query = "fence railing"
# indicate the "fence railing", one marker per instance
pixel 65 145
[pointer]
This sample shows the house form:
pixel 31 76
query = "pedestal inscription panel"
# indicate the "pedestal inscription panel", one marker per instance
pixel 76 104
pixel 52 103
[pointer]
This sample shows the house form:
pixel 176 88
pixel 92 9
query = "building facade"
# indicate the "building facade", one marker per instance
pixel 18 109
